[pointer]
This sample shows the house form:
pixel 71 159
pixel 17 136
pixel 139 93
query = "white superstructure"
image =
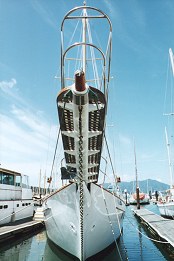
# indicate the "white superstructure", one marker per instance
pixel 15 197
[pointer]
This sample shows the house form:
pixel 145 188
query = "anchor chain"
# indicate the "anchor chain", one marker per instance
pixel 81 177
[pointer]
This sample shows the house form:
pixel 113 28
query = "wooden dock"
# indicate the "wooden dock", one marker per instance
pixel 9 232
pixel 161 227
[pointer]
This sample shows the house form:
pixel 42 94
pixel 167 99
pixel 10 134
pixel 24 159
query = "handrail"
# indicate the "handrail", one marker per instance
pixel 80 17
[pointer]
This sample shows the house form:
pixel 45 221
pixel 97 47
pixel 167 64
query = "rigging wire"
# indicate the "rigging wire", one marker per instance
pixel 110 157
pixel 54 155
pixel 111 225
pixel 154 240
pixel 166 90
pixel 94 65
pixel 78 63
pixel 70 41
pixel 56 143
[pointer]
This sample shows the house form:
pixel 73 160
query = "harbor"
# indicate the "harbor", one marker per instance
pixel 138 246
pixel 71 187
pixel 162 227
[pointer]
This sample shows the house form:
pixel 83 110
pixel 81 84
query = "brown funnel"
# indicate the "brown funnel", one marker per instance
pixel 80 81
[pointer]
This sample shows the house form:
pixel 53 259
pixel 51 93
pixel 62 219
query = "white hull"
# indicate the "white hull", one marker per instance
pixel 102 220
pixel 133 201
pixel 166 209
pixel 15 197
pixel 16 210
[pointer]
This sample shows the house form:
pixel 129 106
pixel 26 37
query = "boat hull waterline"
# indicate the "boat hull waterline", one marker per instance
pixel 102 222
pixel 166 209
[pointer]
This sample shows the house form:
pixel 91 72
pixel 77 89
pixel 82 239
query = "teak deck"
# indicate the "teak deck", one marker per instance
pixel 162 227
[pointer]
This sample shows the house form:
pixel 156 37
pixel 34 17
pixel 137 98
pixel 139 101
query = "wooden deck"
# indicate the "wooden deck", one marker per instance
pixel 161 227
pixel 7 232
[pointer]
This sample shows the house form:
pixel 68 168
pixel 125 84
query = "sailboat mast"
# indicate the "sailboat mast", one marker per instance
pixel 171 55
pixel 136 173
pixel 171 60
pixel 137 186
pixel 84 40
pixel 169 158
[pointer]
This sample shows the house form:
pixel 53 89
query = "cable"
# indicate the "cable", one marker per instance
pixel 154 240
pixel 112 230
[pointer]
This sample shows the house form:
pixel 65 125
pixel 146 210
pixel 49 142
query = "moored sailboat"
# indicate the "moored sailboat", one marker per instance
pixel 166 205
pixel 143 199
pixel 137 198
pixel 82 217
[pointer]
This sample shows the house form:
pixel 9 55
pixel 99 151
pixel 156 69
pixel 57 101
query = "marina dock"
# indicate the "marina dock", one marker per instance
pixel 8 232
pixel 158 226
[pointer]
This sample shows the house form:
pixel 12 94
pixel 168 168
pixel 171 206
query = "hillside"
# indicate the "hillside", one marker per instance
pixel 144 185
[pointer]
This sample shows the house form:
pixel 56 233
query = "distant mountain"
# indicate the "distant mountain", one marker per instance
pixel 144 185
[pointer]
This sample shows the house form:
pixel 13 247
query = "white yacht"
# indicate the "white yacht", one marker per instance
pixel 166 204
pixel 15 197
pixel 82 217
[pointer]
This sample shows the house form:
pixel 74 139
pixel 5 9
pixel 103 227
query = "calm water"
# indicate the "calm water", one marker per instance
pixel 132 246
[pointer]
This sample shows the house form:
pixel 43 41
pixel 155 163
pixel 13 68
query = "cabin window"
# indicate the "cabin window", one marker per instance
pixel 1 207
pixel 18 181
pixel 6 178
pixel 5 206
pixel 17 205
pixel 25 181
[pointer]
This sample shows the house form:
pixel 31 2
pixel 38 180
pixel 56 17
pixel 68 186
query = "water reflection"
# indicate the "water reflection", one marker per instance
pixel 53 253
pixel 20 252
pixel 131 246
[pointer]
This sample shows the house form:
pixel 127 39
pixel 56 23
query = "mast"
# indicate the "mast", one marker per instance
pixel 39 181
pixel 135 160
pixel 166 134
pixel 84 40
pixel 171 60
pixel 136 175
pixel 84 108
pixel 169 158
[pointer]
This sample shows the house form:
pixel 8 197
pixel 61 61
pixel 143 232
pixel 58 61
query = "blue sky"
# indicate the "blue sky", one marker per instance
pixel 143 32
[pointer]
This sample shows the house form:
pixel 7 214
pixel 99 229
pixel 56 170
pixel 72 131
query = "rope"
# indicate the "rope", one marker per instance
pixel 110 157
pixel 112 230
pixel 54 155
pixel 56 143
pixel 117 212
pixel 70 41
pixel 154 240
pixel 96 77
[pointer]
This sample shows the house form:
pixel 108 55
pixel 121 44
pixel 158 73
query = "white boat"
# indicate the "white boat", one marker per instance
pixel 166 205
pixel 82 217
pixel 138 198
pixel 15 197
pixel 143 199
